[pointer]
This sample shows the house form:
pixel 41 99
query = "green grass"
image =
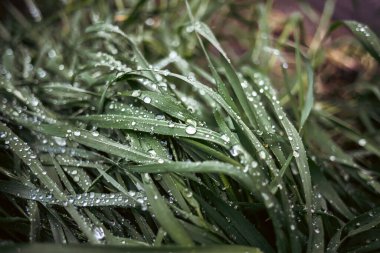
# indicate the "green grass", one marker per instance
pixel 135 126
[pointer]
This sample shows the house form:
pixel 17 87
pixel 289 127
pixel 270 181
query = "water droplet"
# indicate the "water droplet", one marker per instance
pixel 149 21
pixel 296 154
pixel 95 133
pixel 362 142
pixel 76 133
pixel 147 100
pixel 52 53
pixel 34 101
pixel 188 193
pixel 191 77
pixel 225 138
pixel 173 54
pixel 99 233
pixel 152 152
pixel 235 150
pixel 191 130
pixel 254 164
pixel 136 93
pixel 60 141
pixel 262 155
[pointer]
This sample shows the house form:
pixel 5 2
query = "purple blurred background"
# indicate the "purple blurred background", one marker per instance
pixel 365 11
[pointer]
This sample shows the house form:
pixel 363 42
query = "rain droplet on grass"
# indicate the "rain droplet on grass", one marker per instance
pixel 147 100
pixel 262 155
pixel 136 93
pixel 235 150
pixel 99 233
pixel 225 138
pixel 188 193
pixel 191 130
pixel 152 152
pixel 60 141
pixel 362 142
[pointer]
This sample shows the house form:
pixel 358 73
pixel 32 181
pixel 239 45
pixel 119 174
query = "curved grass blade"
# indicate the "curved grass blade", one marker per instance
pixel 163 102
pixel 94 140
pixel 155 126
pixel 309 99
pixel 164 215
pixel 359 224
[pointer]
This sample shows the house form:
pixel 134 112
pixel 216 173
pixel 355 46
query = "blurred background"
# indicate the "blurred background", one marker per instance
pixel 365 11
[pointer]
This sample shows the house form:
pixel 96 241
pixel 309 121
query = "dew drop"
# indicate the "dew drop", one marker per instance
pixel 235 150
pixel 225 138
pixel 262 154
pixel 60 141
pixel 136 93
pixel 147 100
pixel 76 133
pixel 99 233
pixel 191 130
pixel 152 152
pixel 188 193
pixel 362 142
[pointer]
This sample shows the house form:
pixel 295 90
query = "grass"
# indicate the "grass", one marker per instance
pixel 135 126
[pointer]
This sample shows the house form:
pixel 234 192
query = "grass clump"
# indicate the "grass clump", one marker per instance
pixel 127 125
